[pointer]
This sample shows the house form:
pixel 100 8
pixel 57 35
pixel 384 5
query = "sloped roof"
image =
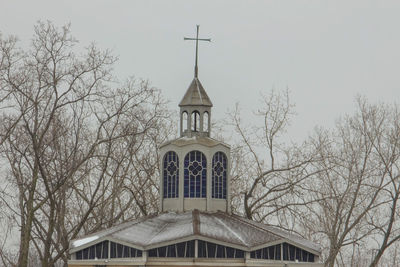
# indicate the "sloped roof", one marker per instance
pixel 170 227
pixel 195 95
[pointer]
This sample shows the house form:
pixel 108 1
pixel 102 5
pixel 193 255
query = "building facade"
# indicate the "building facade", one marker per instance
pixel 195 226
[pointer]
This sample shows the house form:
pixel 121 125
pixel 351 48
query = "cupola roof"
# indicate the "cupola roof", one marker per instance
pixel 195 95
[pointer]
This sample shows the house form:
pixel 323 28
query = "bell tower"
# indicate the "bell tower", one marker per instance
pixel 195 111
pixel 195 168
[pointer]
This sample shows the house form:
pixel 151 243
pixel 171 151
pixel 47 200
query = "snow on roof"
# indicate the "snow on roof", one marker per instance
pixel 225 227
pixel 165 227
pixel 151 231
pixel 83 241
pixel 283 234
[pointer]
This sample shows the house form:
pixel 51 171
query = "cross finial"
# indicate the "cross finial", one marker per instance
pixel 197 45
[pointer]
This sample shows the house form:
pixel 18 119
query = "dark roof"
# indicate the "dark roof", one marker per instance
pixel 195 95
pixel 171 227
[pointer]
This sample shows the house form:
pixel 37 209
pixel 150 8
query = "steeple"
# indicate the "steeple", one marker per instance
pixel 195 167
pixel 195 107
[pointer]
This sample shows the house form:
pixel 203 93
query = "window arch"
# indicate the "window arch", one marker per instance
pixel 184 121
pixel 195 174
pixel 205 122
pixel 219 166
pixel 171 175
pixel 195 121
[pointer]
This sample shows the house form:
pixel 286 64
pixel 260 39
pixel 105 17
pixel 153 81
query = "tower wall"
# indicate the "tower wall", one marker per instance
pixel 183 203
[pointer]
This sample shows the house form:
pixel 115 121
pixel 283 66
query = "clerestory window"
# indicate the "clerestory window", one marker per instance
pixel 101 251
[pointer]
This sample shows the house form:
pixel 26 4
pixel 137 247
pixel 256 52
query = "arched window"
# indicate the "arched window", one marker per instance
pixel 184 121
pixel 219 175
pixel 205 122
pixel 195 121
pixel 171 175
pixel 195 174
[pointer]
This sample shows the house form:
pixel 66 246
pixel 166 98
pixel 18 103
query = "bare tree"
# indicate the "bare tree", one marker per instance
pixel 74 145
pixel 270 172
pixel 383 123
pixel 340 188
pixel 358 165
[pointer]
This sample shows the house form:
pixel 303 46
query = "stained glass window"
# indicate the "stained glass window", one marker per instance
pixel 195 175
pixel 171 175
pixel 219 166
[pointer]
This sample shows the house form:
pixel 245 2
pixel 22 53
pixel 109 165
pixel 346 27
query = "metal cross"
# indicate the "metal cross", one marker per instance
pixel 197 41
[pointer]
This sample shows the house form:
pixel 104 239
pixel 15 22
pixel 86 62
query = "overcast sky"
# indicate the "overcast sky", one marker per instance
pixel 325 52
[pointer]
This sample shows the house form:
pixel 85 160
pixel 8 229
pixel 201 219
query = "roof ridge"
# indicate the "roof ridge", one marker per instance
pixel 165 225
pixel 115 228
pixel 198 90
pixel 281 233
pixel 133 222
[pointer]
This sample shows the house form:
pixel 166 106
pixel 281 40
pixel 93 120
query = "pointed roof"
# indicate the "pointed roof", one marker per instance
pixel 195 95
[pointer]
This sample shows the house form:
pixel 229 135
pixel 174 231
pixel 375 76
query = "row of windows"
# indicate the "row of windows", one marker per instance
pixel 101 251
pixel 182 250
pixel 195 121
pixel 187 250
pixel 270 253
pixel 195 175
pixel 211 250
pixel 290 253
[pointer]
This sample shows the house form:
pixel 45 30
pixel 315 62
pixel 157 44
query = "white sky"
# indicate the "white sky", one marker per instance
pixel 326 52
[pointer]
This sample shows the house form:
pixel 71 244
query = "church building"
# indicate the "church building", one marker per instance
pixel 195 226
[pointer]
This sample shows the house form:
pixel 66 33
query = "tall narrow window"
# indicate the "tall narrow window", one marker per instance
pixel 195 121
pixel 205 122
pixel 171 175
pixel 219 166
pixel 184 121
pixel 195 174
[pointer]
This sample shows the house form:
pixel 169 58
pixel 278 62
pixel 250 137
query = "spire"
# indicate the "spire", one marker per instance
pixel 197 39
pixel 195 95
